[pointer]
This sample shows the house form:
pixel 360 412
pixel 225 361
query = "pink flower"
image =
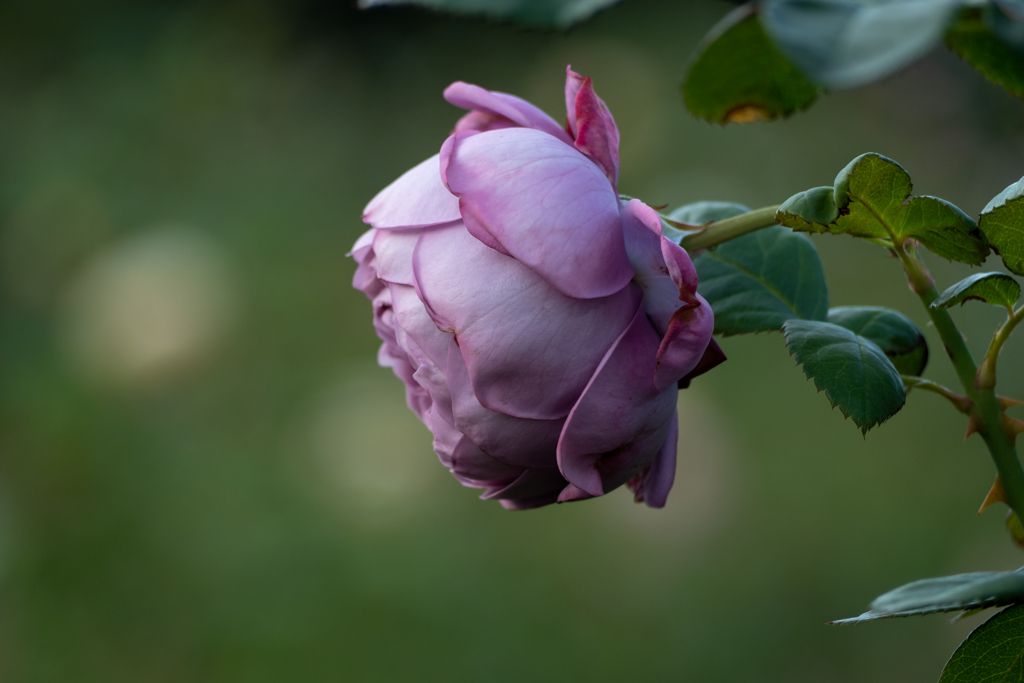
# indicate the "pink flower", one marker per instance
pixel 541 325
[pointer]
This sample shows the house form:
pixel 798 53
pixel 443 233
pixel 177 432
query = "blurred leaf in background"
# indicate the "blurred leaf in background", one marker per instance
pixel 256 503
pixel 540 13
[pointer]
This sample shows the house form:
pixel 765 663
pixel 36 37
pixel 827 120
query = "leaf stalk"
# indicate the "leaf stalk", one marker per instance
pixel 961 403
pixel 730 228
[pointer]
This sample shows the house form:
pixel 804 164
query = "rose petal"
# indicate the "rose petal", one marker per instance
pixel 481 121
pixel 652 486
pixel 393 249
pixel 365 280
pixel 573 83
pixel 513 440
pixel 446 437
pixel 663 269
pixel 425 345
pixel 412 318
pixel 543 203
pixel 591 124
pixel 472 464
pixel 621 420
pixel 530 485
pixel 713 357
pixel 417 199
pixel 666 274
pixel 363 245
pixel 643 244
pixel 529 504
pixel 683 346
pixel 573 493
pixel 499 105
pixel 365 277
pixel 530 351
pixel 680 269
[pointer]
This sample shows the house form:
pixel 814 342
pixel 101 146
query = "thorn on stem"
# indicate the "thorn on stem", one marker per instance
pixel 996 494
pixel 1005 402
pixel 974 426
pixel 1012 426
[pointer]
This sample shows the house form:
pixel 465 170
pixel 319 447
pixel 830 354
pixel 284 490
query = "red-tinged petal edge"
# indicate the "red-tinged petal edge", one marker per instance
pixel 593 126
pixel 683 346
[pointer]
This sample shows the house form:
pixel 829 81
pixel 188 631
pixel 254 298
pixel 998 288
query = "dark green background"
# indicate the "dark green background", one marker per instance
pixel 265 508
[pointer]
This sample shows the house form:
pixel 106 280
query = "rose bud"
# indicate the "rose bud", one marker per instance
pixel 541 325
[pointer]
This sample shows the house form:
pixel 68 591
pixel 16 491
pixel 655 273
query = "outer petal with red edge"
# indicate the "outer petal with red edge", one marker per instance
pixel 664 270
pixel 683 346
pixel 530 351
pixel 591 124
pixel 545 204
pixel 622 420
pixel 513 440
pixel 498 105
pixel 417 199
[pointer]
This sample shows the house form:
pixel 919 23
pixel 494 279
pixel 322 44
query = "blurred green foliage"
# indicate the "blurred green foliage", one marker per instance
pixel 242 495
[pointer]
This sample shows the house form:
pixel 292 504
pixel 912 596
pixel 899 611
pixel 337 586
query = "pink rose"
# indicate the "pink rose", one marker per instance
pixel 541 325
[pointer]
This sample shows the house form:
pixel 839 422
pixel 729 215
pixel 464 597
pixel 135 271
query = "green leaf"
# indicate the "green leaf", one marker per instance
pixel 849 43
pixel 855 374
pixel 873 197
pixel 893 332
pixel 993 653
pixel 537 13
pixel 946 594
pixel 998 289
pixel 739 76
pixel 1006 17
pixel 1002 223
pixel 757 282
pixel 809 211
pixel 973 38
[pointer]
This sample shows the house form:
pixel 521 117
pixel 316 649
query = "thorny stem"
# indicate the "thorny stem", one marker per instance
pixel 730 228
pixel 987 411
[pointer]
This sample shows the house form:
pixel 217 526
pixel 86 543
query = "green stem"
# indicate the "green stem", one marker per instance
pixel 987 370
pixel 987 411
pixel 961 403
pixel 730 228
